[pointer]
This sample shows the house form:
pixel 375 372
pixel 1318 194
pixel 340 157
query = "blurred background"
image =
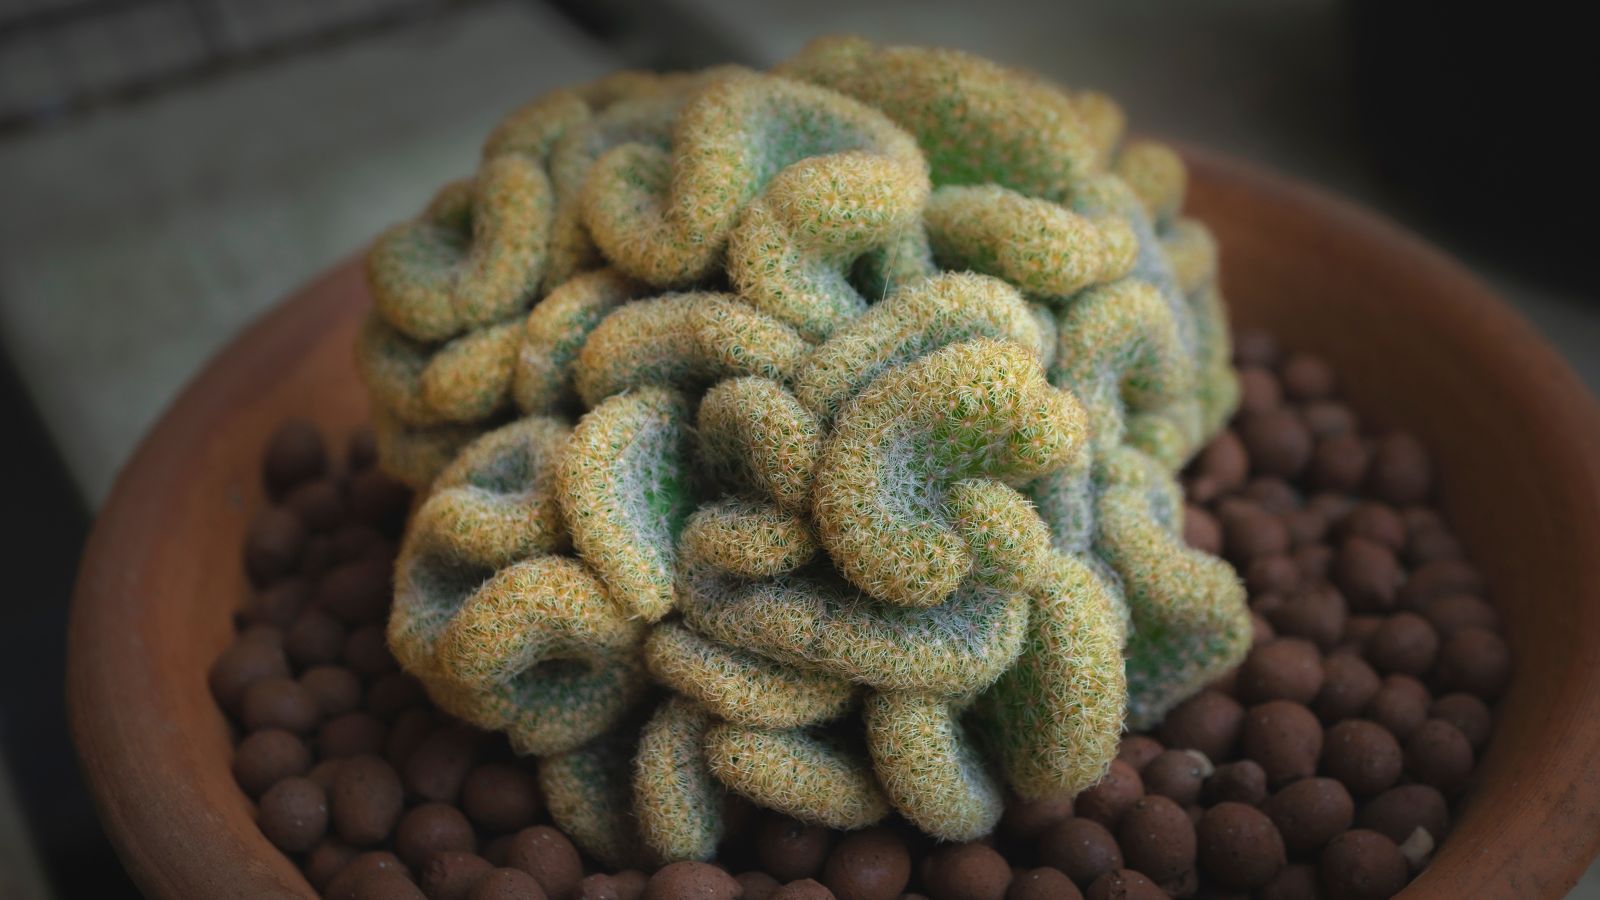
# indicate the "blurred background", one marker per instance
pixel 170 168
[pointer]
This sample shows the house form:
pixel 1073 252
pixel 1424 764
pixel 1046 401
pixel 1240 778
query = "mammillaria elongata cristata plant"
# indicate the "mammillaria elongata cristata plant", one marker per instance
pixel 808 435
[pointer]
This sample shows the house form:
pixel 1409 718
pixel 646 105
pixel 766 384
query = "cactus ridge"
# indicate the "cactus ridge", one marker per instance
pixel 807 435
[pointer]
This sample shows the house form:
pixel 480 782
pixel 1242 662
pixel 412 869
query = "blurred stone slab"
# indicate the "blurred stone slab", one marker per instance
pixel 21 876
pixel 134 242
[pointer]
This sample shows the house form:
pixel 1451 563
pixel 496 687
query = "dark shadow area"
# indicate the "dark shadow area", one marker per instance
pixel 41 538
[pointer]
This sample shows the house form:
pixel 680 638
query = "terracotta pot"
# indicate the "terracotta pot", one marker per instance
pixel 1416 341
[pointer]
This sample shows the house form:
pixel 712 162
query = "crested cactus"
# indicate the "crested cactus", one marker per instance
pixel 850 400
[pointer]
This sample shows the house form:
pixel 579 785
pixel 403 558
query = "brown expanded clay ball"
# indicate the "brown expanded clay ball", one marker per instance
pixel 1274 494
pixel 366 651
pixel 1276 574
pixel 366 800
pixel 1157 838
pixel 1362 756
pixel 868 865
pixel 407 733
pixel 1177 775
pixel 1043 883
pixel 1110 798
pixel 295 453
pixel 1475 660
pixel 1402 809
pixel 319 504
pixel 1261 631
pixel 451 874
pixel 1326 418
pixel 1316 613
pixel 352 734
pixel 1362 865
pixel 1309 812
pixel 1201 530
pixel 1357 630
pixel 392 693
pixel 1315 561
pixel 1026 820
pixel 1404 643
pixel 361 449
pixel 1339 461
pixel 790 850
pixel 804 889
pixel 1470 716
pixel 1376 522
pixel 438 766
pixel 1138 749
pixel 1081 848
pixel 323 773
pixel 1451 613
pixel 315 637
pixel 1306 527
pixel 1277 440
pixel 754 885
pixel 1243 781
pixel 357 592
pixel 246 661
pixel 1439 578
pixel 278 702
pixel 1282 669
pixel 691 881
pixel 335 690
pixel 1208 722
pixel 968 872
pixel 1348 685
pixel 1368 574
pixel 1223 464
pixel 365 874
pixel 506 884
pixel 1401 471
pixel 629 884
pixel 266 757
pixel 1259 390
pixel 1284 737
pixel 279 604
pixel 389 886
pixel 1255 347
pixel 1238 846
pixel 1438 754
pixel 1400 705
pixel 549 856
pixel 432 828
pixel 273 545
pixel 1306 378
pixel 319 556
pixel 269 635
pixel 1124 884
pixel 294 814
pixel 1424 545
pixel 379 501
pixel 1296 881
pixel 327 859
pixel 354 541
pixel 500 797
pixel 1249 531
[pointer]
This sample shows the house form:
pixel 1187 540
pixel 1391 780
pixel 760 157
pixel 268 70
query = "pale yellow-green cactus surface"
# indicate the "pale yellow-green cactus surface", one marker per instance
pixel 808 437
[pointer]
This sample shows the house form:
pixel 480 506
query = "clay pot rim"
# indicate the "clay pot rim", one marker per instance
pixel 149 747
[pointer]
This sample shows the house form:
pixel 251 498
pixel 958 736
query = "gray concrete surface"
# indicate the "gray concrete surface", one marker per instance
pixel 134 242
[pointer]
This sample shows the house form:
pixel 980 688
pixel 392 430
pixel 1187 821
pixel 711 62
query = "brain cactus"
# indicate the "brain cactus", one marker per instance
pixel 809 436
